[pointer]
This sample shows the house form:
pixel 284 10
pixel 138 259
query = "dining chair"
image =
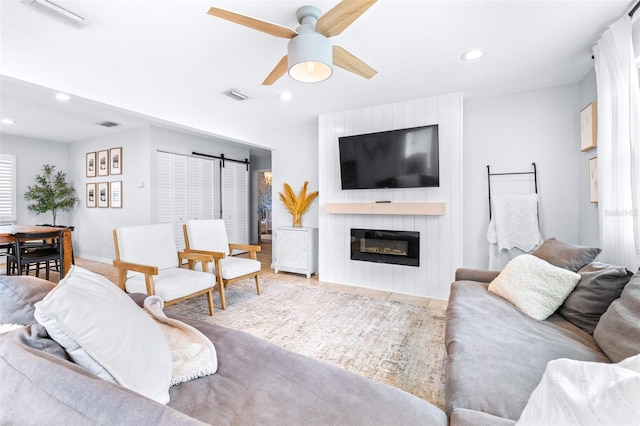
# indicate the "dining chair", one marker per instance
pixel 56 263
pixel 210 237
pixel 148 262
pixel 26 255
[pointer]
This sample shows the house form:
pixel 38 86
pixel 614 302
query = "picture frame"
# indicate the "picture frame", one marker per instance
pixel 91 195
pixel 115 194
pixel 102 163
pixel 90 164
pixel 593 179
pixel 115 161
pixel 588 127
pixel 102 194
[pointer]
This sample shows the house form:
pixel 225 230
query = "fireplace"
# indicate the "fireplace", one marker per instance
pixel 396 247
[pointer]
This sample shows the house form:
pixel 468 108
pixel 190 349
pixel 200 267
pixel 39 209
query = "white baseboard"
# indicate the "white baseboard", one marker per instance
pixel 94 258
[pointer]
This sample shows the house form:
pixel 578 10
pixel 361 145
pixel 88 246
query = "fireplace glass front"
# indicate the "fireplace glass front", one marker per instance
pixel 382 246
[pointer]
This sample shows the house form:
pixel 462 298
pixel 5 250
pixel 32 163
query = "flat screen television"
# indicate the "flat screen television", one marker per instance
pixel 405 158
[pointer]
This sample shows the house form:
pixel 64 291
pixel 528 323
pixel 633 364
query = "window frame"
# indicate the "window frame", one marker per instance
pixel 8 214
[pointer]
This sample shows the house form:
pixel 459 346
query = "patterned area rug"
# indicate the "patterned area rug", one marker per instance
pixel 396 343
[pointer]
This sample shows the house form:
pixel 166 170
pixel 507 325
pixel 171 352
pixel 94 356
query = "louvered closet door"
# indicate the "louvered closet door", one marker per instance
pixel 201 188
pixel 172 192
pixel 235 199
pixel 195 188
pixel 181 196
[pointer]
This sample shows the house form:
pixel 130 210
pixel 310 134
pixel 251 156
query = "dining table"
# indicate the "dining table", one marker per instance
pixel 7 235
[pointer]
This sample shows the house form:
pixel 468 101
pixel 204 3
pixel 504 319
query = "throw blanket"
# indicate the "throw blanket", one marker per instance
pixel 513 229
pixel 193 354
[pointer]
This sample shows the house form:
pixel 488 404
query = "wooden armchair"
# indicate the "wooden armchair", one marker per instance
pixel 210 237
pixel 148 262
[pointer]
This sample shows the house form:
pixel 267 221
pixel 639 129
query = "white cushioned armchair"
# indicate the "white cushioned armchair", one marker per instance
pixel 210 237
pixel 148 262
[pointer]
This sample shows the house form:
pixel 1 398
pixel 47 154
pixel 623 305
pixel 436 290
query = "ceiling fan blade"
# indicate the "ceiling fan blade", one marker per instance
pixel 277 72
pixel 341 16
pixel 256 24
pixel 345 60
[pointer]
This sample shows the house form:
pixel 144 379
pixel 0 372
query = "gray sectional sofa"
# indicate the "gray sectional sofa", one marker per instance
pixel 496 357
pixel 496 354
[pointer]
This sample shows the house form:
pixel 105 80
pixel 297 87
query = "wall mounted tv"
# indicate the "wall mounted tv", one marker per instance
pixel 405 158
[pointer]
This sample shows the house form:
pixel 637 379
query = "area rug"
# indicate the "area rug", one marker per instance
pixel 392 342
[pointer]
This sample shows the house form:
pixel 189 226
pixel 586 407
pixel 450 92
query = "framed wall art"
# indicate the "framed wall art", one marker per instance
pixel 593 179
pixel 91 164
pixel 103 163
pixel 588 127
pixel 91 195
pixel 115 192
pixel 103 194
pixel 115 161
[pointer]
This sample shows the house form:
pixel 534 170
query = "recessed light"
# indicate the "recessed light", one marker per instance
pixel 62 97
pixel 286 96
pixel 472 54
pixel 8 121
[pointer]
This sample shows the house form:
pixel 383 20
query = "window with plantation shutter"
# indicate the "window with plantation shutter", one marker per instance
pixel 7 188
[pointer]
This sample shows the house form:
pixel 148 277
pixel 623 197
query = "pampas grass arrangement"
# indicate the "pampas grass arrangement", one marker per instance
pixel 297 205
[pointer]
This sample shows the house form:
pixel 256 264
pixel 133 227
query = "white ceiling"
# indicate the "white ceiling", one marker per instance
pixel 414 45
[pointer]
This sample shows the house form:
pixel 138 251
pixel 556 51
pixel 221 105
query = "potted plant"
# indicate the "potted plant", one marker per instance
pixel 51 193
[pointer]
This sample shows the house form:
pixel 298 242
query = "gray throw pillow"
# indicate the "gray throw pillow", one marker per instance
pixel 566 255
pixel 600 284
pixel 18 294
pixel 618 331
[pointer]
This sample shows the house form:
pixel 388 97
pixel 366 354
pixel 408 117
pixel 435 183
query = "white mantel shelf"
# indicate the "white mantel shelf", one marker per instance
pixel 416 209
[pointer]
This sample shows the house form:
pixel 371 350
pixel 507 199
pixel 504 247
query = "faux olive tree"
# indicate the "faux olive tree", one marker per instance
pixel 51 193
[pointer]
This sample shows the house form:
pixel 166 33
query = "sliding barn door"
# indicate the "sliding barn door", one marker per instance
pixel 235 199
pixel 201 188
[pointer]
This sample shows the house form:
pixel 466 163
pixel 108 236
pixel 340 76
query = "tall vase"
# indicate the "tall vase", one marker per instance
pixel 297 220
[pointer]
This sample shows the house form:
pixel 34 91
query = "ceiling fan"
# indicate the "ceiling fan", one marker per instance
pixel 309 52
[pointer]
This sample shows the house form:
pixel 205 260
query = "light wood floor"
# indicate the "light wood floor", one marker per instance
pixel 108 271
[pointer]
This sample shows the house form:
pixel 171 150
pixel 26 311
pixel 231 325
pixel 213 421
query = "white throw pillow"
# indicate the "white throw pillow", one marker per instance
pixel 104 331
pixel 586 393
pixel 535 286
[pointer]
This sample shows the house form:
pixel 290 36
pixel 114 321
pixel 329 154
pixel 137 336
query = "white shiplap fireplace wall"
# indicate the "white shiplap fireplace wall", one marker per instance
pixel 440 236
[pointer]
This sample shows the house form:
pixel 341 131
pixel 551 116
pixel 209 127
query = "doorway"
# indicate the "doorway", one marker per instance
pixel 265 224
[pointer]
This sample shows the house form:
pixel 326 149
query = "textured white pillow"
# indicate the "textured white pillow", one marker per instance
pixel 104 331
pixel 535 286
pixel 586 393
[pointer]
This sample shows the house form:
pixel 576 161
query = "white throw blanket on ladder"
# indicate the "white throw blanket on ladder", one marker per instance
pixel 513 229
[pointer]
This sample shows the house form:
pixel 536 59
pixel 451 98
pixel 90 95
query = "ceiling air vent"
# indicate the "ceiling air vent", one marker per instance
pixel 108 124
pixel 59 12
pixel 236 94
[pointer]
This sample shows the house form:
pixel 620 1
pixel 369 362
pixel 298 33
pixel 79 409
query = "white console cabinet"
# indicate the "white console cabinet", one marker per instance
pixel 296 250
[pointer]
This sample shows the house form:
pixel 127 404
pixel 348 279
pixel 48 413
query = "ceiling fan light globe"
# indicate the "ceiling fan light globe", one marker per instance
pixel 310 72
pixel 310 56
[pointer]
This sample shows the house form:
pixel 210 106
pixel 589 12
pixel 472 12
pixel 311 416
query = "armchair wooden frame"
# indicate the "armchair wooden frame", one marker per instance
pixel 217 257
pixel 149 271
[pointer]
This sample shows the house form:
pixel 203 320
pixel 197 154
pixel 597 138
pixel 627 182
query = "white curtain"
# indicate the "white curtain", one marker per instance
pixel 618 145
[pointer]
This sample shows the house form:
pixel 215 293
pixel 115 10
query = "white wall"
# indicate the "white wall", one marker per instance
pixel 509 133
pixel 588 220
pixel 441 236
pixel 92 237
pixel 31 155
pixel 294 161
